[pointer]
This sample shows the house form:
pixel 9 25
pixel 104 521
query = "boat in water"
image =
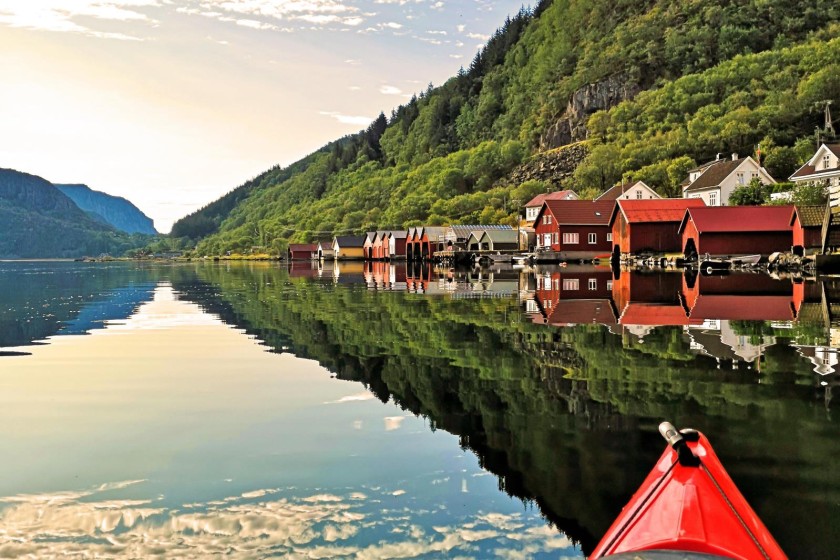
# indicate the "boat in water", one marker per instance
pixel 688 508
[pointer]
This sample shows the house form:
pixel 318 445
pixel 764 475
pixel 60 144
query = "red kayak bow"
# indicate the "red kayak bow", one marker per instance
pixel 688 507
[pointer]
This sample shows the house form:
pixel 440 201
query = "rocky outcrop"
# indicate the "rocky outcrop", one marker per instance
pixel 114 210
pixel 553 166
pixel 607 93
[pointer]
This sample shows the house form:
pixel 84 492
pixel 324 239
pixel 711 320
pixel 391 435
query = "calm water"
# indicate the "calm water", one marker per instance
pixel 380 412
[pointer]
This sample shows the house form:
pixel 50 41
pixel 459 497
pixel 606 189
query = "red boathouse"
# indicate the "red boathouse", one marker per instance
pixel 574 229
pixel 736 230
pixel 649 226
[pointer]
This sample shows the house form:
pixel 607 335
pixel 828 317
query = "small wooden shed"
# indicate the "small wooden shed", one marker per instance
pixel 807 222
pixel 302 251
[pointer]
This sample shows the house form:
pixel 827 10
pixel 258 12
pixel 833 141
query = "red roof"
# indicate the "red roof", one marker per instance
pixel 657 210
pixel 739 219
pixel 559 195
pixel 578 212
pixel 743 308
pixel 303 247
pixel 656 315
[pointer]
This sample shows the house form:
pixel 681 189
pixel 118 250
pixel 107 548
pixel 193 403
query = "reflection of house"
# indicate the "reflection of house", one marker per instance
pixel 649 299
pixel 573 296
pixel 823 358
pixel 724 343
pixel 348 247
pixel 576 229
pixel 642 226
pixel 746 297
pixel 629 191
pixel 304 268
pixel 807 222
pixel 714 181
pixel 736 230
pixel 302 251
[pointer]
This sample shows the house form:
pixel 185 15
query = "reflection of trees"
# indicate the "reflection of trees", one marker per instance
pixel 565 418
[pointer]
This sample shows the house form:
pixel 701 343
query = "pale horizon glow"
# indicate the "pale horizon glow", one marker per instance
pixel 172 103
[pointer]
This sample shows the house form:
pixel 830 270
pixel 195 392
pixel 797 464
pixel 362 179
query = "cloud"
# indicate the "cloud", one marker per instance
pixel 61 15
pixel 390 90
pixel 348 119
pixel 315 13
pixel 478 36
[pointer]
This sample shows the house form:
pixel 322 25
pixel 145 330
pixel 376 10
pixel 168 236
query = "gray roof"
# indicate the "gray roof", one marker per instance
pixel 350 240
pixel 502 236
pixel 715 174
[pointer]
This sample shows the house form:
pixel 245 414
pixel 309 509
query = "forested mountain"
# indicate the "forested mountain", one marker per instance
pixel 38 221
pixel 114 210
pixel 649 87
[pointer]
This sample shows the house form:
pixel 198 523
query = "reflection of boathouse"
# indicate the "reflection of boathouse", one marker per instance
pixel 573 296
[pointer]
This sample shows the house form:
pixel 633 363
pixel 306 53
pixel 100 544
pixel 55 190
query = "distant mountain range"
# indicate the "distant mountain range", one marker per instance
pixel 113 210
pixel 37 220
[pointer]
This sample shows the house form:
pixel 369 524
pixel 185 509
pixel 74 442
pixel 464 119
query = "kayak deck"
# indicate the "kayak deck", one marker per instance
pixel 688 504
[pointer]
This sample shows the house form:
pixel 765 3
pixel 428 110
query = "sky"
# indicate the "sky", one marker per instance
pixel 172 103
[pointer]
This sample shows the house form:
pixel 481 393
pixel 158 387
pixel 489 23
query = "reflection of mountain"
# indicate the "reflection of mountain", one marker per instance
pixel 564 417
pixel 119 304
pixel 38 300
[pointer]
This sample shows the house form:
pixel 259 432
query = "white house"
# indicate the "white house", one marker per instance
pixel 714 181
pixel 533 207
pixel 629 191
pixel 823 167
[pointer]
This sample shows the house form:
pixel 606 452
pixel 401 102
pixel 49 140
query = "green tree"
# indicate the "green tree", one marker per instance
pixel 755 193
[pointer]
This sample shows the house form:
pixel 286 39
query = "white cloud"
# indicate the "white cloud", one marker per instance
pixel 393 423
pixel 364 395
pixel 478 36
pixel 348 119
pixel 60 15
pixel 390 90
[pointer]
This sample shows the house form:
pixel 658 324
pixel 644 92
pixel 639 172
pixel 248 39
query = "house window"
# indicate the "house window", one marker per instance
pixel 593 283
pixel 593 238
pixel 571 284
pixel 570 238
pixel 753 175
pixel 609 284
pixel 638 195
pixel 826 161
pixel 546 218
pixel 554 236
pixel 740 176
pixel 713 199
pixel 609 237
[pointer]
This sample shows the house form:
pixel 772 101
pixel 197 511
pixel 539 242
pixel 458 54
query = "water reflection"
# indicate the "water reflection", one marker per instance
pixel 555 378
pixel 259 523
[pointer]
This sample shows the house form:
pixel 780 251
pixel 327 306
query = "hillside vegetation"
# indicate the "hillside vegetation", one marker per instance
pixel 652 87
pixel 39 221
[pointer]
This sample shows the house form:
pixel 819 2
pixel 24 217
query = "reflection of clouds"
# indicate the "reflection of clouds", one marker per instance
pixel 363 396
pixel 393 422
pixel 258 523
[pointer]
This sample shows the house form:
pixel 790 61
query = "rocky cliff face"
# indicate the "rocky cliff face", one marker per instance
pixel 553 166
pixel 32 193
pixel 116 211
pixel 607 93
